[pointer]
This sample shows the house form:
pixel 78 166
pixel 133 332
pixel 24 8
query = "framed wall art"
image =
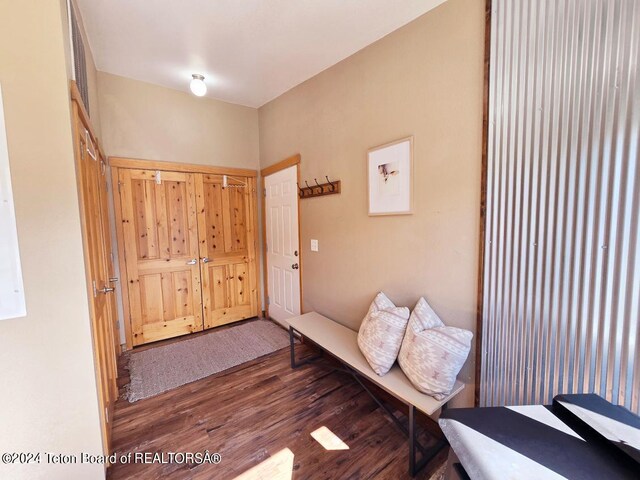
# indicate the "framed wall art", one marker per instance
pixel 12 301
pixel 390 170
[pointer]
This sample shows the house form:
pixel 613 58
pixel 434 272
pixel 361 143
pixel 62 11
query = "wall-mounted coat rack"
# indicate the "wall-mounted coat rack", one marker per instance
pixel 319 189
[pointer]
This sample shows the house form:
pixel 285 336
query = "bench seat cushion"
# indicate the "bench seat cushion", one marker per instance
pixel 341 342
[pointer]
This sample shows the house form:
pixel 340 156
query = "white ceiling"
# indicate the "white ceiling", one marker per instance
pixel 250 51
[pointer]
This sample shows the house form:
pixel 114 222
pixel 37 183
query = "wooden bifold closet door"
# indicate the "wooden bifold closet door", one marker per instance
pixel 91 169
pixel 161 244
pixel 190 251
pixel 227 250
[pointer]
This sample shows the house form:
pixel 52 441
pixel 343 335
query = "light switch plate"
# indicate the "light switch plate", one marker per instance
pixel 314 245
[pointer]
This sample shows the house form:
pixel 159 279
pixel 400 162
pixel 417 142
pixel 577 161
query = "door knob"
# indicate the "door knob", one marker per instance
pixel 295 266
pixel 206 260
pixel 113 279
pixel 193 261
pixel 106 290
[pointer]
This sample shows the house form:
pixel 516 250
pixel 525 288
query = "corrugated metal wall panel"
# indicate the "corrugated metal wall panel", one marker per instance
pixel 562 257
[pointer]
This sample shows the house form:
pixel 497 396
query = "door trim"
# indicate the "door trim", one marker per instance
pixel 82 112
pixel 179 167
pixel 276 167
pixel 122 264
pixel 483 203
pixel 294 160
pixel 117 163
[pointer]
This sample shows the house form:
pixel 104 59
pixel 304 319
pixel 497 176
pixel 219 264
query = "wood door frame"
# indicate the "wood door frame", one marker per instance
pixel 117 163
pixel 122 264
pixel 137 163
pixel 82 112
pixel 483 201
pixel 112 253
pixel 291 161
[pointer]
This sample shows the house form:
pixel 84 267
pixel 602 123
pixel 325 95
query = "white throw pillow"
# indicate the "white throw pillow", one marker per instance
pixel 432 354
pixel 381 333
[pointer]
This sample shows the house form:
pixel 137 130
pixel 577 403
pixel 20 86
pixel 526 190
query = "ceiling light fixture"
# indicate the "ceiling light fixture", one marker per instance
pixel 197 85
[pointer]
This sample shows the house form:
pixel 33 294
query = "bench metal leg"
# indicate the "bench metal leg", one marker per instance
pixel 412 440
pixel 427 454
pixel 415 447
pixel 398 423
pixel 292 346
pixel 294 363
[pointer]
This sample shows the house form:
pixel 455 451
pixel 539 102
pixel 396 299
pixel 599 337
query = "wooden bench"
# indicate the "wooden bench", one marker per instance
pixel 341 343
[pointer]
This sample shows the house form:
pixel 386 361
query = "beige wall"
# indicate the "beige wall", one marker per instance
pixel 141 120
pixel 49 401
pixel 423 80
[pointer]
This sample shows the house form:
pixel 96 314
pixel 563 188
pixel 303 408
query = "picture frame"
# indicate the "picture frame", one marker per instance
pixel 390 178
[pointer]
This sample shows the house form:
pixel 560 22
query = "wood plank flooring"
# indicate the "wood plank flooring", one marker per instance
pixel 259 416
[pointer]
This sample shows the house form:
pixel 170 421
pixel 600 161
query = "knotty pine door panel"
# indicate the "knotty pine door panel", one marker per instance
pixel 227 249
pixel 92 190
pixel 161 247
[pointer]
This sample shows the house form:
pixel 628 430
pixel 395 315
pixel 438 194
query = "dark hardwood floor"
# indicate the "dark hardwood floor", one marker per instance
pixel 251 414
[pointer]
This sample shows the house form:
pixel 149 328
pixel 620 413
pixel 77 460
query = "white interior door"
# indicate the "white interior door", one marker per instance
pixel 283 249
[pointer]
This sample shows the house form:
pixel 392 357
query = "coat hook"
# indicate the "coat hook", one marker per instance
pixel 330 183
pixel 319 186
pixel 307 184
pixel 301 190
